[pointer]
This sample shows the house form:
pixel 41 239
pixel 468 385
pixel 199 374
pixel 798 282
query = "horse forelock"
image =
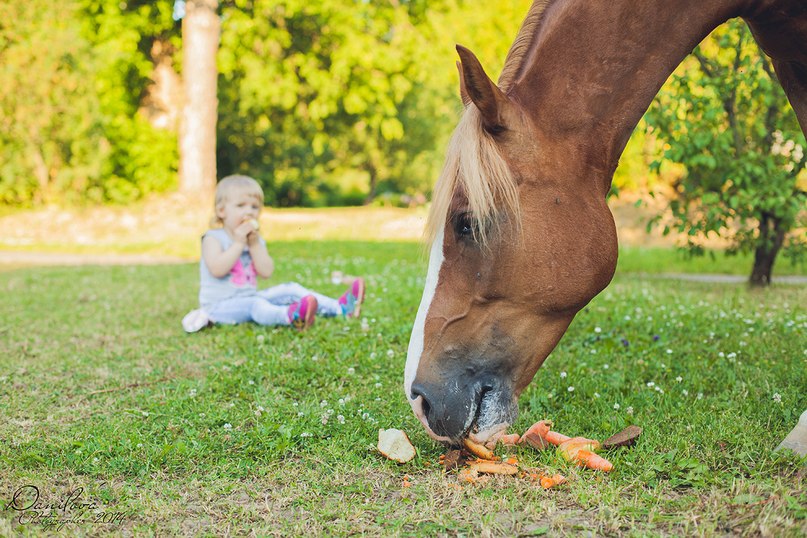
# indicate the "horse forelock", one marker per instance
pixel 474 165
pixel 518 50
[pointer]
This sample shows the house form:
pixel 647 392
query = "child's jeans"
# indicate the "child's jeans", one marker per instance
pixel 269 306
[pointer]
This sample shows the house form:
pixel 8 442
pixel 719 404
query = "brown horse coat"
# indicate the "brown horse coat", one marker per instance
pixel 521 234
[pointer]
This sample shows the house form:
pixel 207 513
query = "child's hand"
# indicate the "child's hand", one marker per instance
pixel 253 237
pixel 243 231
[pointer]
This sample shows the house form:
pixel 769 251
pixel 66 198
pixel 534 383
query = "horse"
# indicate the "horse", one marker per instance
pixel 521 235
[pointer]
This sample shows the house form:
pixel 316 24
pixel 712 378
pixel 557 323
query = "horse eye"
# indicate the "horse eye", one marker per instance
pixel 463 226
pixel 496 130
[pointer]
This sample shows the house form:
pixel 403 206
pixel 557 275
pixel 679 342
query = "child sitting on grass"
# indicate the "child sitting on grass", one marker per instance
pixel 233 256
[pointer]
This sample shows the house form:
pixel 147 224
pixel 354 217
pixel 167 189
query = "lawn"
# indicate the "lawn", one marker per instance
pixel 245 430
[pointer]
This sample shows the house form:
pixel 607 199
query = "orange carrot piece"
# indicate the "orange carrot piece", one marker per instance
pixel 556 438
pixel 552 481
pixel 509 439
pixel 543 429
pixel 468 475
pixel 478 450
pixel 493 467
pixel 593 461
pixel 569 448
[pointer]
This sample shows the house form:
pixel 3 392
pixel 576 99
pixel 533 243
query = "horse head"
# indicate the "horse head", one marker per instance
pixel 521 240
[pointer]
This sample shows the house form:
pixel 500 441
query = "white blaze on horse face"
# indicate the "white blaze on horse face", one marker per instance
pixel 416 339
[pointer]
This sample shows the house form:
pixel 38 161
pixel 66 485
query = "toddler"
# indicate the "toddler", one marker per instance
pixel 233 256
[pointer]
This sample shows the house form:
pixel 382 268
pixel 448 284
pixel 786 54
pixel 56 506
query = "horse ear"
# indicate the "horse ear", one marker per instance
pixel 482 91
pixel 466 100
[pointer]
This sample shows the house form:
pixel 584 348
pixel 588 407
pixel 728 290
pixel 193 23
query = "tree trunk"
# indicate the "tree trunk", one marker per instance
pixel 197 145
pixel 771 238
pixel 163 102
pixel 373 183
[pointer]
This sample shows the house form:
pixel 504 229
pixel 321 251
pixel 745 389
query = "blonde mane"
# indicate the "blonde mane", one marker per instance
pixel 473 162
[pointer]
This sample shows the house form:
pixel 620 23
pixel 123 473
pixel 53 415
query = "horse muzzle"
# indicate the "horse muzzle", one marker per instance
pixel 480 408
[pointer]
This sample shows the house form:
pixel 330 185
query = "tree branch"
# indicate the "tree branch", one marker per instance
pixel 706 65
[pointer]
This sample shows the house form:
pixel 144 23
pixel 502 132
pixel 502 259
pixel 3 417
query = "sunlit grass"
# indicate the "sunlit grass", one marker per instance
pixel 247 429
pixel 655 260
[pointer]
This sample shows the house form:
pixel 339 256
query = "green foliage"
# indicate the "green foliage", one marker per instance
pixel 725 117
pixel 312 93
pixel 338 101
pixel 142 159
pixel 69 93
pixel 51 140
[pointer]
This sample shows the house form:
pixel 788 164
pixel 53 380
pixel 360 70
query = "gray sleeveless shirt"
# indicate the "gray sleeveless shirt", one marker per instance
pixel 241 281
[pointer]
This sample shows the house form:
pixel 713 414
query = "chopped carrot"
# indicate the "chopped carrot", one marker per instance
pixel 593 461
pixel 543 429
pixel 556 438
pixel 493 467
pixel 478 450
pixel 509 439
pixel 468 475
pixel 569 448
pixel 552 481
pixel 511 461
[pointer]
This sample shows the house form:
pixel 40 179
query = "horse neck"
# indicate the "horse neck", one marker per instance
pixel 593 68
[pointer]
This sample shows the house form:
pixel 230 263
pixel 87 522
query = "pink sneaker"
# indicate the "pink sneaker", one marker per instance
pixel 302 313
pixel 352 299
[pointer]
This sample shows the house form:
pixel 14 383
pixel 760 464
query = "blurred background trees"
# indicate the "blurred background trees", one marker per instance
pixel 74 75
pixel 724 120
pixel 328 102
pixel 339 102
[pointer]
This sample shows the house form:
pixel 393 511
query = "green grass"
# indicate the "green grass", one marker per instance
pixel 671 260
pixel 242 430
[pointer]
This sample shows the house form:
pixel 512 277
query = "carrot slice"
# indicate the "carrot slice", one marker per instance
pixel 509 439
pixel 569 448
pixel 493 467
pixel 552 481
pixel 480 451
pixel 556 438
pixel 593 461
pixel 542 429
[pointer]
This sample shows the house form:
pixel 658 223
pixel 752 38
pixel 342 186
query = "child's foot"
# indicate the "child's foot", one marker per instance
pixel 195 320
pixel 302 313
pixel 352 299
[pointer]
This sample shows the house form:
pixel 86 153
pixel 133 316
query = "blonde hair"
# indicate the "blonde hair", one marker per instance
pixel 226 186
pixel 474 165
pixel 473 161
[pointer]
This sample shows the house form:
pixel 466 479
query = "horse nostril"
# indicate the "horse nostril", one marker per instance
pixel 419 392
pixel 426 407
